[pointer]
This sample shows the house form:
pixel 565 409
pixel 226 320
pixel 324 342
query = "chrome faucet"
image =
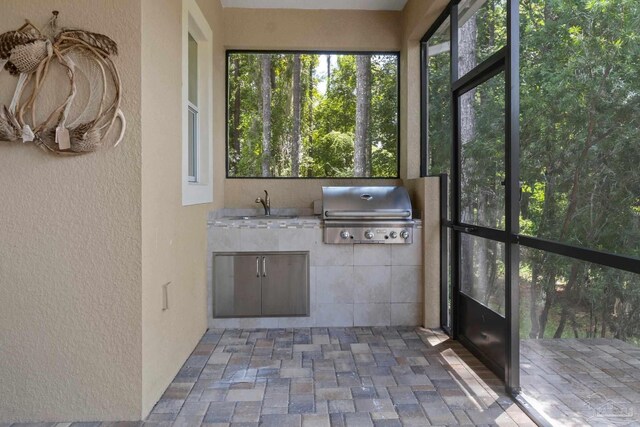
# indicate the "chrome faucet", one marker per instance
pixel 266 203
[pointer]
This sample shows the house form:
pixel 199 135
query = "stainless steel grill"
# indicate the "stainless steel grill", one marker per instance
pixel 367 215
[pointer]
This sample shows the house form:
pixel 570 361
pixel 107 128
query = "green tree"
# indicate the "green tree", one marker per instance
pixel 289 133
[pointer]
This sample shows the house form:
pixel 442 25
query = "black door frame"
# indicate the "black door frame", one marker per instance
pixel 500 62
pixel 449 249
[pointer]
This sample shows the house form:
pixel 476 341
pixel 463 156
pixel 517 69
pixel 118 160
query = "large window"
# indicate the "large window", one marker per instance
pixel 580 103
pixel 312 115
pixel 580 151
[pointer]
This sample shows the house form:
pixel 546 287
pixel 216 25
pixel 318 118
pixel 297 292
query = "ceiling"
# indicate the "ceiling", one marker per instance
pixel 317 4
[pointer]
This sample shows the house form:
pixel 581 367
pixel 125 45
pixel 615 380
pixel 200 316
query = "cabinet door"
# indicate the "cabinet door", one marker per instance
pixel 236 285
pixel 285 285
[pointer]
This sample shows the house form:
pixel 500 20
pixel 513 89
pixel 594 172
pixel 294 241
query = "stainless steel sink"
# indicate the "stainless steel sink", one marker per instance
pixel 260 217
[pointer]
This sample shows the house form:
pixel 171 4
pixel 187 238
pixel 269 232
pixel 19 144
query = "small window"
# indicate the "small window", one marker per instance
pixel 482 31
pixel 197 132
pixel 193 110
pixel 312 114
pixel 193 143
pixel 438 99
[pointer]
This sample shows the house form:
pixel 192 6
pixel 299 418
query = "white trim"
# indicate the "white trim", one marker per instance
pixel 437 49
pixel 194 23
pixel 318 4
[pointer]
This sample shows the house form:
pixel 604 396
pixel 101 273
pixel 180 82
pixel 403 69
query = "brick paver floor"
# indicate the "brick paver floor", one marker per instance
pixel 396 376
pixel 352 377
pixel 576 382
pixel 317 377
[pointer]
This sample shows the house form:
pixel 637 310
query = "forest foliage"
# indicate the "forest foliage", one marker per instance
pixel 327 115
pixel 579 157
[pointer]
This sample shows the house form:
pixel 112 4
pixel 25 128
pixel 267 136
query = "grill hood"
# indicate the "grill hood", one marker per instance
pixel 366 203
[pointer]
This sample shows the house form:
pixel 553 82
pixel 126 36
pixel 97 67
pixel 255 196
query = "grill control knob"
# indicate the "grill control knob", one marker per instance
pixel 345 234
pixel 368 234
pixel 393 234
pixel 404 234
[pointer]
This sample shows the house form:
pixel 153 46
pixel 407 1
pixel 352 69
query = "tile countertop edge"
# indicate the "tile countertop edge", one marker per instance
pixel 304 219
pixel 299 222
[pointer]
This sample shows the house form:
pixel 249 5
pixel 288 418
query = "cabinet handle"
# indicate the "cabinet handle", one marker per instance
pixel 264 266
pixel 257 266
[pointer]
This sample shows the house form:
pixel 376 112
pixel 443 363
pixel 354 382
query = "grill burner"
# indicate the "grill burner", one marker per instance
pixel 367 215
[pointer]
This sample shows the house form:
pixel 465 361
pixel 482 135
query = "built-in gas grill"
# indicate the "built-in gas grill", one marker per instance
pixel 367 215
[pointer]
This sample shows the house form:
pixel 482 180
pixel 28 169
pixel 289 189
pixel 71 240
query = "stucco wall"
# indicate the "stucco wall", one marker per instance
pixel 303 29
pixel 86 243
pixel 173 236
pixel 426 195
pixel 312 29
pixel 70 244
pixel 287 193
pixel 417 17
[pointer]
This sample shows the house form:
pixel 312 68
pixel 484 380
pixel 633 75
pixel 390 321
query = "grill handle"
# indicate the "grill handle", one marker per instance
pixel 379 213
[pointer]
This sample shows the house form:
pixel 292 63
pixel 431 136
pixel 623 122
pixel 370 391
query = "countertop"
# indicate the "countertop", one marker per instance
pixel 224 219
pixel 297 222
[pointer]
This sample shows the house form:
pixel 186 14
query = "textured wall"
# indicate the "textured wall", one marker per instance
pixel 426 198
pixel 173 236
pixel 303 29
pixel 286 193
pixel 311 29
pixel 70 335
pixel 86 243
pixel 417 17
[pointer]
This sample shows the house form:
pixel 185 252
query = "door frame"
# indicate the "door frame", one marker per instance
pixel 505 60
pixel 512 239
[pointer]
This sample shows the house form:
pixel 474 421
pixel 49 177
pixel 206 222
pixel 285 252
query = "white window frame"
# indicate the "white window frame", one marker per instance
pixel 198 189
pixel 193 109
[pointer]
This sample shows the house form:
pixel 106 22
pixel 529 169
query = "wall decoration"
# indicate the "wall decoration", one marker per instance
pixel 30 55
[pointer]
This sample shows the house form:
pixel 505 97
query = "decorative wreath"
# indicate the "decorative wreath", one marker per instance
pixel 29 54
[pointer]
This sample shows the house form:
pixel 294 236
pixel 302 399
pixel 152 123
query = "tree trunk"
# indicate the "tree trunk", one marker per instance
pixel 534 295
pixel 548 275
pixel 574 324
pixel 310 128
pixel 235 134
pixel 549 285
pixel 466 62
pixel 266 114
pixel 328 72
pixel 573 278
pixel 603 330
pixel 295 143
pixel 363 103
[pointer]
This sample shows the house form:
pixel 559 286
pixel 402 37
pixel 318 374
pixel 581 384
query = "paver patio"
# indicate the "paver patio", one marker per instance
pixel 576 382
pixel 387 376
